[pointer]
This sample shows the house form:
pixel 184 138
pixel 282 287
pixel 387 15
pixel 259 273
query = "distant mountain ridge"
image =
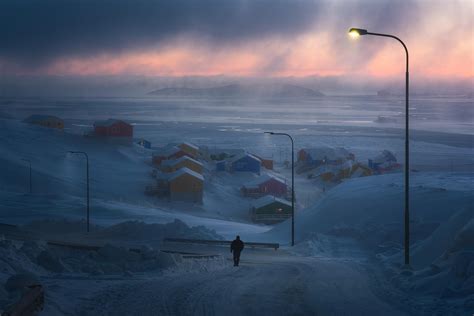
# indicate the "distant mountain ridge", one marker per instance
pixel 234 90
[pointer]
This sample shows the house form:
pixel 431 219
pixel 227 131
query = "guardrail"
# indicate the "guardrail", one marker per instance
pixel 87 247
pixel 222 243
pixel 192 255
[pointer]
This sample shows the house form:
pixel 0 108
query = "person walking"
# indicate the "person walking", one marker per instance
pixel 236 248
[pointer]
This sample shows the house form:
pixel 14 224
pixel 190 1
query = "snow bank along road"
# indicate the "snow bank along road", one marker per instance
pixel 266 283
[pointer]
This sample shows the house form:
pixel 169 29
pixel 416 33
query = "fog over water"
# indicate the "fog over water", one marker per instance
pixel 364 124
pixel 446 114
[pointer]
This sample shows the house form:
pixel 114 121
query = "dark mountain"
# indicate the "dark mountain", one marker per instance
pixel 234 90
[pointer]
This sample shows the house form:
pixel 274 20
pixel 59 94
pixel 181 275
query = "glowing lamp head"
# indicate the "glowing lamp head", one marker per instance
pixel 355 32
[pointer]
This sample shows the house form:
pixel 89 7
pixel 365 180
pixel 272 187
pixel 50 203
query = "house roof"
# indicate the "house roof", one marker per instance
pixel 183 171
pixel 262 179
pixel 320 153
pixel 332 168
pixel 108 122
pixel 177 161
pixel 217 151
pixel 166 151
pixel 238 157
pixel 262 158
pixel 384 156
pixel 190 145
pixel 269 199
pixel 38 117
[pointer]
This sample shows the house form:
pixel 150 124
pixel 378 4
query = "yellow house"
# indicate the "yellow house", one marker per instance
pixel 190 149
pixel 45 120
pixel 182 162
pixel 186 185
pixel 359 170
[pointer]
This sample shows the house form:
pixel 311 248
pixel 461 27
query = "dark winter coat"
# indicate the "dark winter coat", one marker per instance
pixel 236 246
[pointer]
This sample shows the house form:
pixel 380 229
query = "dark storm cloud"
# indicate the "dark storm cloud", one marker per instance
pixel 41 30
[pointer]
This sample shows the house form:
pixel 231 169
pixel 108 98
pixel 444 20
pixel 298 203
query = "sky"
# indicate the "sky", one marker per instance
pixel 238 38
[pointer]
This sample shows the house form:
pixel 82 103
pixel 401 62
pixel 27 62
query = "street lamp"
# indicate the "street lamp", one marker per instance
pixel 355 33
pixel 292 185
pixel 31 185
pixel 87 177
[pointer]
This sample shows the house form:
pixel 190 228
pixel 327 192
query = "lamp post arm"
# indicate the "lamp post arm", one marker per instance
pixel 285 134
pixel 396 38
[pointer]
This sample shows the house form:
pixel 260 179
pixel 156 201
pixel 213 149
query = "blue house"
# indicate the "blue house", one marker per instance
pixel 324 156
pixel 385 160
pixel 144 143
pixel 245 163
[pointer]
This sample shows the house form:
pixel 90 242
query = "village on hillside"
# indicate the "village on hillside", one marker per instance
pixel 184 172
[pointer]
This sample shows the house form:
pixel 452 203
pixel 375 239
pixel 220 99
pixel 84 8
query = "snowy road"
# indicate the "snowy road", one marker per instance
pixel 265 284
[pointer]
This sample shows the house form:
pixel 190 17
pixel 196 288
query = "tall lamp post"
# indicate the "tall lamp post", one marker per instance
pixel 292 185
pixel 31 184
pixel 355 33
pixel 87 178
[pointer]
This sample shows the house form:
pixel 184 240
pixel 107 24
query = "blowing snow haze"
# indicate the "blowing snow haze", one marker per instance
pixel 87 47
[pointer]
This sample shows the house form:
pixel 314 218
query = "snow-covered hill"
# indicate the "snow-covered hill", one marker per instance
pixel 371 209
pixel 365 204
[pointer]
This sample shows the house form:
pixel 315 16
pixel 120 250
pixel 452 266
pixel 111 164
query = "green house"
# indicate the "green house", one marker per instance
pixel 270 210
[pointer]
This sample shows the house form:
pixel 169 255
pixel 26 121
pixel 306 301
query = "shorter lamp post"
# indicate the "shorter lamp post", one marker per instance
pixel 87 181
pixel 292 185
pixel 31 184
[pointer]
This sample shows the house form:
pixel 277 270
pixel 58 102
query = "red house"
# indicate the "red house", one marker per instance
pixel 113 128
pixel 265 185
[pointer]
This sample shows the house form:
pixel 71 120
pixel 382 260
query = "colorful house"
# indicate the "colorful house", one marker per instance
pixel 45 121
pixel 113 128
pixel 167 153
pixel 270 210
pixel 265 185
pixel 190 149
pixel 324 155
pixel 186 185
pixel 184 161
pixel 245 163
pixel 334 173
pixel 266 162
pixel 144 143
pixel 359 170
pixel 384 162
pixel 218 154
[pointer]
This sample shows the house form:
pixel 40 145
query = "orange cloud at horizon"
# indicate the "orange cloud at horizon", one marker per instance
pixel 305 56
pixel 441 45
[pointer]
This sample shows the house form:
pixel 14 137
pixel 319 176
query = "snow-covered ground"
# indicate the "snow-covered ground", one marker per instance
pixel 349 238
